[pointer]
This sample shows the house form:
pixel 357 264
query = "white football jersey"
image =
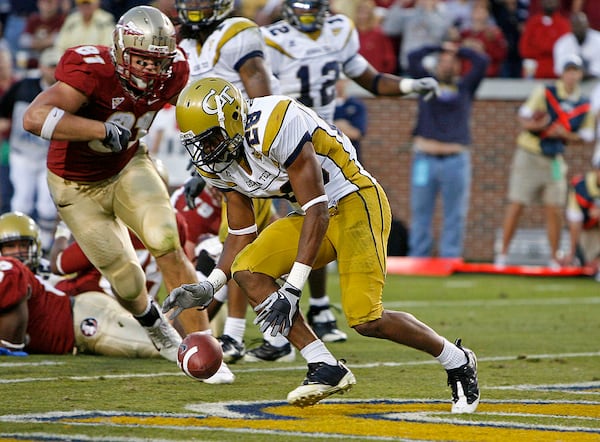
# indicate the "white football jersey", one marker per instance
pixel 277 128
pixel 225 51
pixel 308 69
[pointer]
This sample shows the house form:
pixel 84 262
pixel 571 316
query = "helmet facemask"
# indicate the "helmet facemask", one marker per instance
pixel 147 33
pixel 213 148
pixel 304 15
pixel 203 13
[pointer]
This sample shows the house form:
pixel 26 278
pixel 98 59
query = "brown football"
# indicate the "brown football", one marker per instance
pixel 199 356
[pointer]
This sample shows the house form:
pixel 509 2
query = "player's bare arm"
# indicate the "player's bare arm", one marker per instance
pixel 70 127
pixel 387 84
pixel 240 218
pixel 306 178
pixel 255 77
pixel 13 325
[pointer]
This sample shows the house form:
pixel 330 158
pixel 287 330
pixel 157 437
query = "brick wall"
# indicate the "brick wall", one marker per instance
pixel 386 154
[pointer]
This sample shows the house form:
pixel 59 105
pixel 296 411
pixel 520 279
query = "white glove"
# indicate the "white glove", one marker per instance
pixel 278 310
pixel 188 296
pixel 117 136
pixel 426 86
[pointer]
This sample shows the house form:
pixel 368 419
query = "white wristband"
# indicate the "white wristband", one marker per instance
pixel 51 122
pixel 245 231
pixel 312 202
pixel 12 346
pixel 298 275
pixel 217 278
pixel 406 85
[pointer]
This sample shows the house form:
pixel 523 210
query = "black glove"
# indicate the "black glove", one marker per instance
pixel 278 310
pixel 426 86
pixel 117 136
pixel 193 187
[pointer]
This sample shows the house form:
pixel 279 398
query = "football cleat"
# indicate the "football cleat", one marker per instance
pixel 323 323
pixel 269 353
pixel 164 337
pixel 322 380
pixel 464 385
pixel 223 376
pixel 232 349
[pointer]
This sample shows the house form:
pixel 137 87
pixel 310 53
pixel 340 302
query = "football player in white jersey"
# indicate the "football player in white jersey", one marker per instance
pixel 231 48
pixel 307 51
pixel 274 147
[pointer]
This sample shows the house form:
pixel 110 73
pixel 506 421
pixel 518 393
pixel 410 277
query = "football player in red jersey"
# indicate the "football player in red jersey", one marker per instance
pixel 37 316
pixel 101 178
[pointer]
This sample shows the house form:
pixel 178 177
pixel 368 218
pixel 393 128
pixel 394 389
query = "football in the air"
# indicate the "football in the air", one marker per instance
pixel 199 355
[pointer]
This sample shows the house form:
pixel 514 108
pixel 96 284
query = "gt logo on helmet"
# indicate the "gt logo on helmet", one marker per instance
pixel 223 96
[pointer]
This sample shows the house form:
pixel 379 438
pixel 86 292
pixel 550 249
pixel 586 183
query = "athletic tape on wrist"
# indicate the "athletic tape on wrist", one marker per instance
pixel 245 231
pixel 298 275
pixel 406 85
pixel 51 122
pixel 312 202
pixel 217 278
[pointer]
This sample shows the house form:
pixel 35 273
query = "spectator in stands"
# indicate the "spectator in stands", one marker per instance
pixel 460 12
pixel 583 217
pixel 425 24
pixel 442 158
pixel 28 152
pixel 15 22
pixel 89 24
pixel 591 9
pixel 510 16
pixel 7 78
pixel 375 46
pixel 41 30
pixel 350 114
pixel 484 36
pixel 582 41
pixel 538 38
pixel 552 116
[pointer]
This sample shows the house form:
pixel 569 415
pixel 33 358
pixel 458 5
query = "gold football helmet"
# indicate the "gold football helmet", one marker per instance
pixel 305 15
pixel 145 32
pixel 203 13
pixel 211 114
pixel 16 226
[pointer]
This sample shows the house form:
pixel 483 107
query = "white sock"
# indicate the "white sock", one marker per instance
pixel 317 352
pixel 319 302
pixel 451 356
pixel 235 327
pixel 275 341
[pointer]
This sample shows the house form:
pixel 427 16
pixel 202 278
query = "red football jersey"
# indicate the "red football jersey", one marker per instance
pixel 90 70
pixel 50 325
pixel 205 218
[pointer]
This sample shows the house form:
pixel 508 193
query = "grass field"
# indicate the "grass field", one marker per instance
pixel 536 338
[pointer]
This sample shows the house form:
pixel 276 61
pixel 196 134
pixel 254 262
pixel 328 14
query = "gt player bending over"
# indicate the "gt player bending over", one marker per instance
pixel 101 178
pixel 275 147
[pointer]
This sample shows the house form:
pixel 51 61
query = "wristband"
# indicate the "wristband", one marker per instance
pixel 406 85
pixel 51 122
pixel 298 275
pixel 217 278
pixel 245 231
pixel 11 346
pixel 312 202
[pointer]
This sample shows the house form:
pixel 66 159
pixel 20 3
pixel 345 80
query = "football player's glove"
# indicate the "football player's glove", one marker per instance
pixel 193 187
pixel 426 86
pixel 117 136
pixel 188 296
pixel 278 310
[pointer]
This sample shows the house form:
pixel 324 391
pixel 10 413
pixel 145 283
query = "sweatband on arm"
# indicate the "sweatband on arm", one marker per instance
pixel 217 278
pixel 312 202
pixel 10 345
pixel 245 231
pixel 406 85
pixel 298 275
pixel 51 122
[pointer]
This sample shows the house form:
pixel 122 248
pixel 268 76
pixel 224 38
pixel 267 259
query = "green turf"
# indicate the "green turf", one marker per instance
pixel 525 330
